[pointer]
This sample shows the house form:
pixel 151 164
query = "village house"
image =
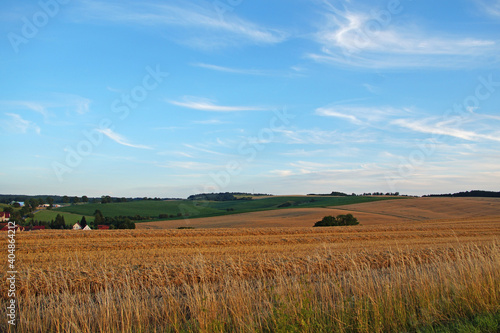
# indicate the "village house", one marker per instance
pixel 17 228
pixel 4 216
pixel 77 226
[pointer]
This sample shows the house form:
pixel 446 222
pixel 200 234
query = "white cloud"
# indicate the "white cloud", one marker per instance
pixel 333 113
pixel 282 173
pixel 202 25
pixel 19 125
pixel 429 127
pixel 120 139
pixel 204 104
pixel 354 38
pixel 210 122
pixel 258 72
pixel 49 107
pixel 491 7
pixel 361 115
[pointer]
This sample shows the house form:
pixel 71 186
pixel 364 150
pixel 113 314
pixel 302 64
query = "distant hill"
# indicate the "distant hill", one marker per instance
pixel 474 193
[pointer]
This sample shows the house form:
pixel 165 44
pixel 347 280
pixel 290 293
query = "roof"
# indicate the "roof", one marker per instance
pixel 5 214
pixel 38 227
pixel 17 228
pixel 103 227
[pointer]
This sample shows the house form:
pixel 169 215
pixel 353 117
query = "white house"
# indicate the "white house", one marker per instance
pixel 77 227
pixel 87 227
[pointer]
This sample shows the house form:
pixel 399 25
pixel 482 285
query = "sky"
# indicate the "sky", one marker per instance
pixel 171 98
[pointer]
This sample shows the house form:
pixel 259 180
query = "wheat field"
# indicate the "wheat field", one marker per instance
pixel 375 278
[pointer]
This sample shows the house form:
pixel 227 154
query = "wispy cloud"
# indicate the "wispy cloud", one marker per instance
pixel 204 104
pixel 361 115
pixel 120 139
pixel 212 152
pixel 491 7
pixel 49 107
pixel 17 124
pixel 200 21
pixel 259 72
pixel 348 37
pixel 210 122
pixel 334 113
pixel 431 127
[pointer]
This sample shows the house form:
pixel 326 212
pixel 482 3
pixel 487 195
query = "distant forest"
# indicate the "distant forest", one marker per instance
pixel 474 193
pixel 228 196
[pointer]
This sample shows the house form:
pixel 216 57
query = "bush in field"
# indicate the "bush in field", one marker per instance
pixel 340 220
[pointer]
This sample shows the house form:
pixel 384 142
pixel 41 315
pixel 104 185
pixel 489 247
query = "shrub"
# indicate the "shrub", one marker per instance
pixel 340 220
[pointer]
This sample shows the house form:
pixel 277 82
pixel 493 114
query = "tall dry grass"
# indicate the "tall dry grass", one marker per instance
pixel 363 291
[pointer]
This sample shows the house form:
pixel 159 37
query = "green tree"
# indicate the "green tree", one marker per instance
pixel 33 203
pixel 85 199
pixel 65 199
pixel 98 218
pixel 50 201
pixel 59 223
pixel 340 220
pixel 8 209
pixel 83 222
pixel 76 200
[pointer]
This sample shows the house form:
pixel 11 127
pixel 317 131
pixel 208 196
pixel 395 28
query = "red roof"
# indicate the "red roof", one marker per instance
pixel 103 227
pixel 5 214
pixel 38 227
pixel 17 228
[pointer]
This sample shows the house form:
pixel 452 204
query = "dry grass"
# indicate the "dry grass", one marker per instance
pixel 365 278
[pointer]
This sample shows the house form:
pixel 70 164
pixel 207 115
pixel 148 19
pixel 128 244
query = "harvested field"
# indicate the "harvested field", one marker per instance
pixel 292 217
pixel 385 212
pixel 373 278
pixel 432 208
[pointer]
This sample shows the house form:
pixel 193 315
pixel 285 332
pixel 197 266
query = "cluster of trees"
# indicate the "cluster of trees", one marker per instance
pixel 381 193
pixel 340 220
pixel 172 216
pixel 342 194
pixel 217 197
pixel 474 193
pixel 58 223
pixel 117 222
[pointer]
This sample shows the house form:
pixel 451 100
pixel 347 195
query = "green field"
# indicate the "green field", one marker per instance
pixel 196 209
pixel 69 218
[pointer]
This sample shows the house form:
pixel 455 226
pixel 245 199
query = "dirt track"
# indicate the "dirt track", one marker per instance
pixel 372 213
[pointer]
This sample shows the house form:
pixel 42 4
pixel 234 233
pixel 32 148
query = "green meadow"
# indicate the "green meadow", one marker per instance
pixel 69 218
pixel 177 209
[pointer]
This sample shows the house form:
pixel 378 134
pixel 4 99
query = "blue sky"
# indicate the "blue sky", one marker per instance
pixel 171 98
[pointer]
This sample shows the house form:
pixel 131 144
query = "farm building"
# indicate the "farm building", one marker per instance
pixel 87 228
pixel 17 228
pixel 4 216
pixel 103 227
pixel 77 226
pixel 37 227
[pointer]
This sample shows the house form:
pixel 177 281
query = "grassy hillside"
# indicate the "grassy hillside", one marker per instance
pixel 196 209
pixel 69 218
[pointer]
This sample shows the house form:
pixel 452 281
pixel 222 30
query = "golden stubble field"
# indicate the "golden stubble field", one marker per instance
pixel 367 278
pixel 372 213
